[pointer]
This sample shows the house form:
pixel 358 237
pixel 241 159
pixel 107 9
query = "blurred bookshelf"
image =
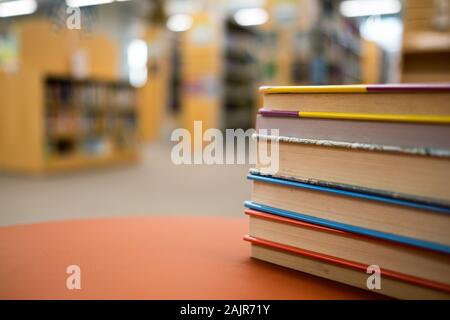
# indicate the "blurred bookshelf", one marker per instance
pixel 329 52
pixel 240 74
pixel 326 50
pixel 52 121
pixel 426 41
pixel 88 122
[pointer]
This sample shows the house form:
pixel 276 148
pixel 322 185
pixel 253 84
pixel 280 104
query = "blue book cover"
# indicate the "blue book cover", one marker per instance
pixel 346 227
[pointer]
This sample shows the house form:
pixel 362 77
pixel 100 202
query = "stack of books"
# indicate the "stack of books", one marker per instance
pixel 361 194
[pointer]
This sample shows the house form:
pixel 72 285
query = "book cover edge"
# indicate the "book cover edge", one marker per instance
pixel 319 228
pixel 345 263
pixel 382 88
pixel 438 247
pixel 353 191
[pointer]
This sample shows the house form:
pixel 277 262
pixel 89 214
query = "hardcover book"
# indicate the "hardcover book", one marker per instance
pixel 413 223
pixel 389 133
pixel 377 99
pixel 407 172
pixel 355 274
pixel 427 265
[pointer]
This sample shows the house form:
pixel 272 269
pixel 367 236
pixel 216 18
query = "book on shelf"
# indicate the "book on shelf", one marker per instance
pixel 89 117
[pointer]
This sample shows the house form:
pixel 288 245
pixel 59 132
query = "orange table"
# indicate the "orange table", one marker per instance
pixel 149 258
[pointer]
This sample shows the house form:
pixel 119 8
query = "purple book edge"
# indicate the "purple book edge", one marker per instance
pixel 278 113
pixel 409 88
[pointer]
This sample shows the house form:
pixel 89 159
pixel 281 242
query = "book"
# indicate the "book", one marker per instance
pixel 389 133
pixel 89 117
pixel 409 173
pixel 423 264
pixel 384 117
pixel 402 99
pixel 355 274
pixel 412 223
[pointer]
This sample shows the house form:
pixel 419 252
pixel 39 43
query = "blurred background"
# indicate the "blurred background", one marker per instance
pixel 90 90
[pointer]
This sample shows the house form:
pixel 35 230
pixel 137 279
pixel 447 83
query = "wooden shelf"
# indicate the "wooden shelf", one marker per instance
pixel 426 41
pixel 82 161
pixel 426 49
pixel 40 125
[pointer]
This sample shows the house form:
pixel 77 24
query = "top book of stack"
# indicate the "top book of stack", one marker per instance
pixel 402 99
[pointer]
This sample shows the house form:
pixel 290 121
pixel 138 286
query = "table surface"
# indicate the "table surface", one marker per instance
pixel 170 257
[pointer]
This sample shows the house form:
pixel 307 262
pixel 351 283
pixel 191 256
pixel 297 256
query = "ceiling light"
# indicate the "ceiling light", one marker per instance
pixel 179 22
pixel 387 32
pixel 17 8
pixel 85 3
pixel 137 54
pixel 137 62
pixel 251 17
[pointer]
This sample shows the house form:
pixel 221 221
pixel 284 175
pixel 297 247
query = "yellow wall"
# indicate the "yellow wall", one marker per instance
pixel 200 61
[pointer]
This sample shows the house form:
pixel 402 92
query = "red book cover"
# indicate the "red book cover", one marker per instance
pixel 334 260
